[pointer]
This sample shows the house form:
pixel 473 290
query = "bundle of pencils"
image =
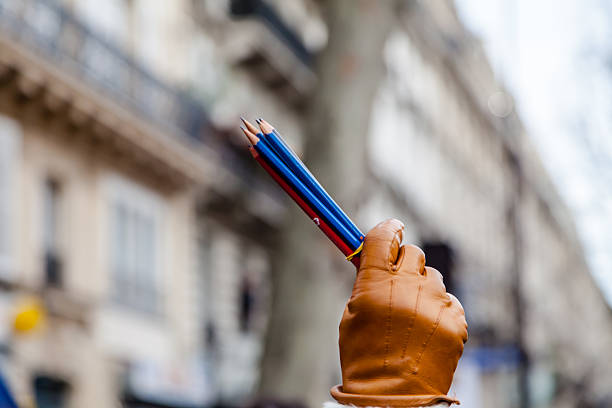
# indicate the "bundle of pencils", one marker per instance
pixel 286 168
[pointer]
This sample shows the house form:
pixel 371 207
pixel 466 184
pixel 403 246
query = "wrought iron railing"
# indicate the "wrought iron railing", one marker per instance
pixel 56 34
pixel 260 9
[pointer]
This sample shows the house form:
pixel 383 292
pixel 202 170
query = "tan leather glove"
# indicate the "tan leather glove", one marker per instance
pixel 401 335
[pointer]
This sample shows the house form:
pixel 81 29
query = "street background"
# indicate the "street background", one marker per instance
pixel 146 260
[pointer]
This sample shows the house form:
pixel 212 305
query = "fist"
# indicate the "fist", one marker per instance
pixel 401 335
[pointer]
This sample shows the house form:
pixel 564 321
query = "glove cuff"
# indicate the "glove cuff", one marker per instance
pixel 393 401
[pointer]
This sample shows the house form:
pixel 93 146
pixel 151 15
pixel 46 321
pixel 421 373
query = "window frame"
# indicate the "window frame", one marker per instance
pixel 135 265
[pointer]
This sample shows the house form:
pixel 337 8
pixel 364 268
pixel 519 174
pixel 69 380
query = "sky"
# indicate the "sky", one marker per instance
pixel 555 58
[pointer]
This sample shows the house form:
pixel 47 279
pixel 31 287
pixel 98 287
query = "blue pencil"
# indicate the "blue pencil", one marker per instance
pixel 274 139
pixel 281 168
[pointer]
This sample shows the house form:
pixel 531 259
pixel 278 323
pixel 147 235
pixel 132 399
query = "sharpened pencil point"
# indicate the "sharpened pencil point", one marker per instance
pixel 265 127
pixel 252 138
pixel 249 126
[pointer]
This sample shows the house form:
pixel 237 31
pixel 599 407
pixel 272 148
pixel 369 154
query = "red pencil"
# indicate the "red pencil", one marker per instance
pixel 304 206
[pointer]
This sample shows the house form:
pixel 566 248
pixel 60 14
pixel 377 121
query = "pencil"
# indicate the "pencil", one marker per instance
pixel 330 233
pixel 300 188
pixel 264 140
pixel 327 230
pixel 291 159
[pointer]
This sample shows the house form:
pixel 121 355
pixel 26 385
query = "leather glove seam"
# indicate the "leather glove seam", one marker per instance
pixel 426 381
pixel 426 342
pixel 412 321
pixel 432 390
pixel 389 327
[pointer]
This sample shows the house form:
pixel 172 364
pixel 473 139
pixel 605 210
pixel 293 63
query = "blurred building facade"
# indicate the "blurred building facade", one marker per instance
pixel 147 237
pixel 452 157
pixel 109 171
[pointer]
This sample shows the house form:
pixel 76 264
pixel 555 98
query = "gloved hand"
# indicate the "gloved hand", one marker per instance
pixel 401 335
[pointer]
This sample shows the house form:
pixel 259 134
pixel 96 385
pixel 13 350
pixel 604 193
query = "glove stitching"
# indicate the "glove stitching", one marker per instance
pixel 433 389
pixel 412 320
pixel 426 342
pixel 388 325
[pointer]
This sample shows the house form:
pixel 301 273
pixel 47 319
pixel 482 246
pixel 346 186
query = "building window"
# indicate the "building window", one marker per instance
pixel 50 392
pixel 247 303
pixel 51 224
pixel 440 256
pixel 135 249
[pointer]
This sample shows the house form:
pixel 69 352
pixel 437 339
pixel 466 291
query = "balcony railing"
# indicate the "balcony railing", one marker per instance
pixel 261 10
pixel 54 33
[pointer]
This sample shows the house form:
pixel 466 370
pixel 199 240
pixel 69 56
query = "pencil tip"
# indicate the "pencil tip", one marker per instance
pixel 266 128
pixel 252 138
pixel 249 126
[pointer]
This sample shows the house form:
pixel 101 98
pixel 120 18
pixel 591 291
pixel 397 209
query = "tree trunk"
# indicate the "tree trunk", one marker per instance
pixel 309 275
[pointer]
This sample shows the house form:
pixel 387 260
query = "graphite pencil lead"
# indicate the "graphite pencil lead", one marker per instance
pixel 249 126
pixel 252 138
pixel 265 127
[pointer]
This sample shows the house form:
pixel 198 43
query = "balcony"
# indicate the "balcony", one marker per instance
pixel 259 9
pixel 276 55
pixel 54 66
pixel 54 62
pixel 55 34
